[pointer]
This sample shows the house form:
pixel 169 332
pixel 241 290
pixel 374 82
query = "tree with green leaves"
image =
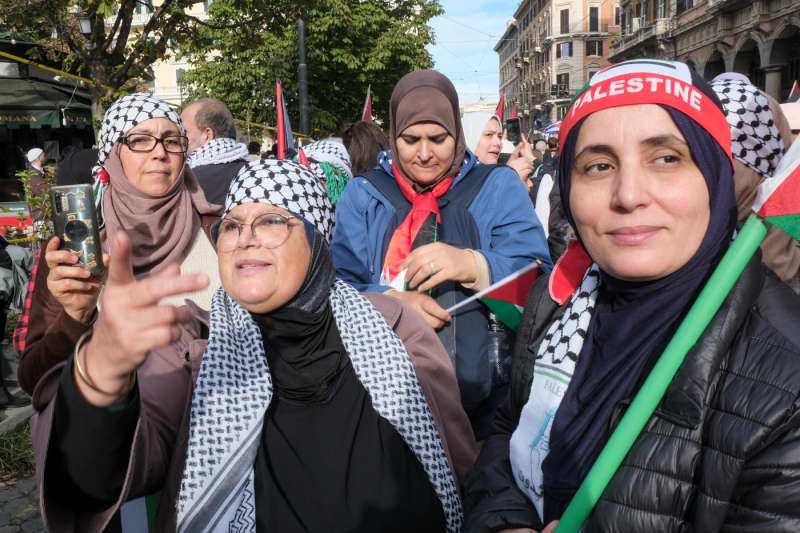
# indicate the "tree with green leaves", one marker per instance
pixel 350 44
pixel 115 52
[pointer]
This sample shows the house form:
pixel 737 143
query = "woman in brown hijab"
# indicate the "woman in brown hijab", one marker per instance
pixel 143 187
pixel 431 225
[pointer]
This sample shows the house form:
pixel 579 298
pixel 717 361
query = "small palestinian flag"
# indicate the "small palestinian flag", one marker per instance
pixel 507 297
pixel 778 200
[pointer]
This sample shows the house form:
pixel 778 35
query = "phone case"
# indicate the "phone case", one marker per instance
pixel 75 220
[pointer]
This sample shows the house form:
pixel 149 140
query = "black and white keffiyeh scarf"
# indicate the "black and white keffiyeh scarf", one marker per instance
pixel 285 184
pixel 218 151
pixel 330 151
pixel 234 386
pixel 124 114
pixel 755 139
pixel 553 369
pixel 234 389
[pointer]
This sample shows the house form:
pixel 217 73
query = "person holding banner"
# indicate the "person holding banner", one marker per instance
pixel 430 226
pixel 646 175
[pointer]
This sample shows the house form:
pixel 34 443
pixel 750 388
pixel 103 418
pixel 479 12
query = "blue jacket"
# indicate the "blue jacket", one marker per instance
pixel 511 235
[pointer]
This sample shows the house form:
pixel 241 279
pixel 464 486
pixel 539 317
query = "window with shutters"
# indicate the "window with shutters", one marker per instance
pixel 564 50
pixel 565 21
pixel 594 48
pixel 594 19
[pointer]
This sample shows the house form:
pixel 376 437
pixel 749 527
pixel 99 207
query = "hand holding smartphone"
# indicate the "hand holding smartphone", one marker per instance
pixel 76 225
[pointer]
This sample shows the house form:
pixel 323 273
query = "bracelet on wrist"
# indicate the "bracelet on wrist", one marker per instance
pixel 84 376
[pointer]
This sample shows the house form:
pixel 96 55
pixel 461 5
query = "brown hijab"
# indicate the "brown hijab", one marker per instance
pixel 426 96
pixel 162 229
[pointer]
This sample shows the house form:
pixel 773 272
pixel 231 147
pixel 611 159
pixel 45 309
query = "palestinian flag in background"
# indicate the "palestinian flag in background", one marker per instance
pixel 366 111
pixel 285 138
pixel 794 94
pixel 778 200
pixel 507 297
pixel 501 107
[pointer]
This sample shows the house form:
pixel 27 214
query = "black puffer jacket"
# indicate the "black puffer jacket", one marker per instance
pixel 721 453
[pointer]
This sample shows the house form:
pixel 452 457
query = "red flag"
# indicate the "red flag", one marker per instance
pixel 795 92
pixel 513 112
pixel 366 112
pixel 284 128
pixel 501 107
pixel 302 158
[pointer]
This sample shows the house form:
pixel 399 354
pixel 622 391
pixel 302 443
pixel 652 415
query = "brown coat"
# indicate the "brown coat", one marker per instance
pixel 165 388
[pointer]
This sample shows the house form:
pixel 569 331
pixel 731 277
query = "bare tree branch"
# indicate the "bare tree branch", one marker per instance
pixel 126 14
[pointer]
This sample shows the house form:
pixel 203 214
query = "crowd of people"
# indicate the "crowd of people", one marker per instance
pixel 271 349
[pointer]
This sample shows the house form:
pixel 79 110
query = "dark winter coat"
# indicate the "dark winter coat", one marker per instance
pixel 722 451
pixel 215 180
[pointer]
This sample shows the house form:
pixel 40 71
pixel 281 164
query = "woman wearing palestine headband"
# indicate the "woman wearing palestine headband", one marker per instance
pixel 144 187
pixel 646 180
pixel 309 408
pixel 431 226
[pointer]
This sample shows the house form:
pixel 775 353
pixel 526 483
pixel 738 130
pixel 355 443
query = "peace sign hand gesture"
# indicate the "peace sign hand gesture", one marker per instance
pixel 131 324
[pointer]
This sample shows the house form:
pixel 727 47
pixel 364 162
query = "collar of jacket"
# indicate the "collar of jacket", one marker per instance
pixel 684 401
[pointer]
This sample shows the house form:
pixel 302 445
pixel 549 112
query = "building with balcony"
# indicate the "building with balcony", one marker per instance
pixel 560 45
pixel 507 51
pixel 760 38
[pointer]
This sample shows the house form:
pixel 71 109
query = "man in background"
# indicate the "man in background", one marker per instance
pixel 214 154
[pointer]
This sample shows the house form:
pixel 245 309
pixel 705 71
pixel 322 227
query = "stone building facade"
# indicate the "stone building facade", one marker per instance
pixel 759 38
pixel 507 49
pixel 560 45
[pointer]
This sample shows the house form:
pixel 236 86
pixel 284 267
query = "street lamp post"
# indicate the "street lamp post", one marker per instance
pixel 85 24
pixel 302 80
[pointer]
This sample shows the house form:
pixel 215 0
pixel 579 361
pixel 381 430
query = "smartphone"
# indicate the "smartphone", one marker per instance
pixel 75 221
pixel 503 158
pixel 513 129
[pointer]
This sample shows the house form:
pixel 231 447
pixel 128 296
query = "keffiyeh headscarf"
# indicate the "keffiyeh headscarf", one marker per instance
pixel 217 490
pixel 284 184
pixel 218 151
pixel 124 114
pixel 162 228
pixel 755 138
pixel 330 161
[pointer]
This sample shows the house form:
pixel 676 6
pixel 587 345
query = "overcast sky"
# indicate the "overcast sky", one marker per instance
pixel 465 38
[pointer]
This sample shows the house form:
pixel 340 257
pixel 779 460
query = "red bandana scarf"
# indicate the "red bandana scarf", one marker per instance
pixel 405 237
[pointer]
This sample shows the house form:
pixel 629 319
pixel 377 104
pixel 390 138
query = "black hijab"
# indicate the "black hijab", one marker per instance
pixel 304 350
pixel 632 324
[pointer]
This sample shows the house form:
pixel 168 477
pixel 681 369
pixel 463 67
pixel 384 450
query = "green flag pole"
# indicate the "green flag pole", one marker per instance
pixel 654 387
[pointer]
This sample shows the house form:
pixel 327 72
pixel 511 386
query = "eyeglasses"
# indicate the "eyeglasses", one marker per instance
pixel 144 142
pixel 270 230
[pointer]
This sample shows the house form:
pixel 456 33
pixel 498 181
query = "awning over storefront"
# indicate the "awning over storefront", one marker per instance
pixel 33 103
